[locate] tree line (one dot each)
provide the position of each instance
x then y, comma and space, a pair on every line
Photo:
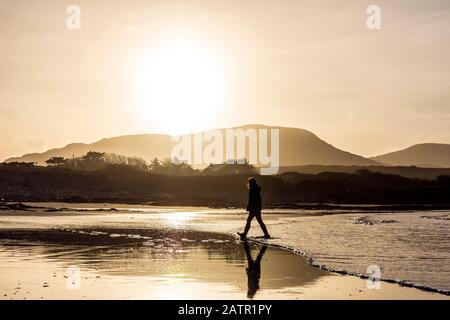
94, 160
97, 160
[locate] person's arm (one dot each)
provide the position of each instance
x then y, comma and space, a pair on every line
249, 201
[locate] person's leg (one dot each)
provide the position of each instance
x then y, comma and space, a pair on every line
262, 225
247, 226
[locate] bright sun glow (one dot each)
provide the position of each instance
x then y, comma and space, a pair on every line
180, 86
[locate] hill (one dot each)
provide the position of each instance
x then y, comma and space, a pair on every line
421, 155
297, 147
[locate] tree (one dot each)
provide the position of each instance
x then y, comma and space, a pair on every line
137, 163
56, 161
112, 158
94, 157
92, 161
178, 168
155, 166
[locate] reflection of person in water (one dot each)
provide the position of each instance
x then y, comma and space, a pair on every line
253, 269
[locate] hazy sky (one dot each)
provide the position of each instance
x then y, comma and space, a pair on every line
308, 64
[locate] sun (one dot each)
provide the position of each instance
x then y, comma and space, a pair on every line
180, 86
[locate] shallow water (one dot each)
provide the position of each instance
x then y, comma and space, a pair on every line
160, 264
409, 246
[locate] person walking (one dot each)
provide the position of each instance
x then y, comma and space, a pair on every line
254, 208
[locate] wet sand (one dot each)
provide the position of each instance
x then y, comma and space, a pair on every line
89, 255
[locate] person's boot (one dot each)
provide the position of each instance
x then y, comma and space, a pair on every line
242, 236
267, 236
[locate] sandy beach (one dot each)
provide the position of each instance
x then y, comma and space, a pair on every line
104, 251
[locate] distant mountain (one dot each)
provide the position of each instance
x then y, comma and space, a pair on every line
420, 155
297, 147
146, 146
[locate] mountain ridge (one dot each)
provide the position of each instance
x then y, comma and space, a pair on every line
297, 147
420, 155
293, 143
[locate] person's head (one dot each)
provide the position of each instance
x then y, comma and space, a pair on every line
252, 184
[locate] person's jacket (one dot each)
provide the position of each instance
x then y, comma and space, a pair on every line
254, 200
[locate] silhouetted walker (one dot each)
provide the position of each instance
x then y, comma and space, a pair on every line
254, 208
253, 270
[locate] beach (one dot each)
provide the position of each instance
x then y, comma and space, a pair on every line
112, 251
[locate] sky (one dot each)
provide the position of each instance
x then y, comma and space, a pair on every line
192, 65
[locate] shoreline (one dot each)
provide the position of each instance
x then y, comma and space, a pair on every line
23, 205
39, 211
310, 262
